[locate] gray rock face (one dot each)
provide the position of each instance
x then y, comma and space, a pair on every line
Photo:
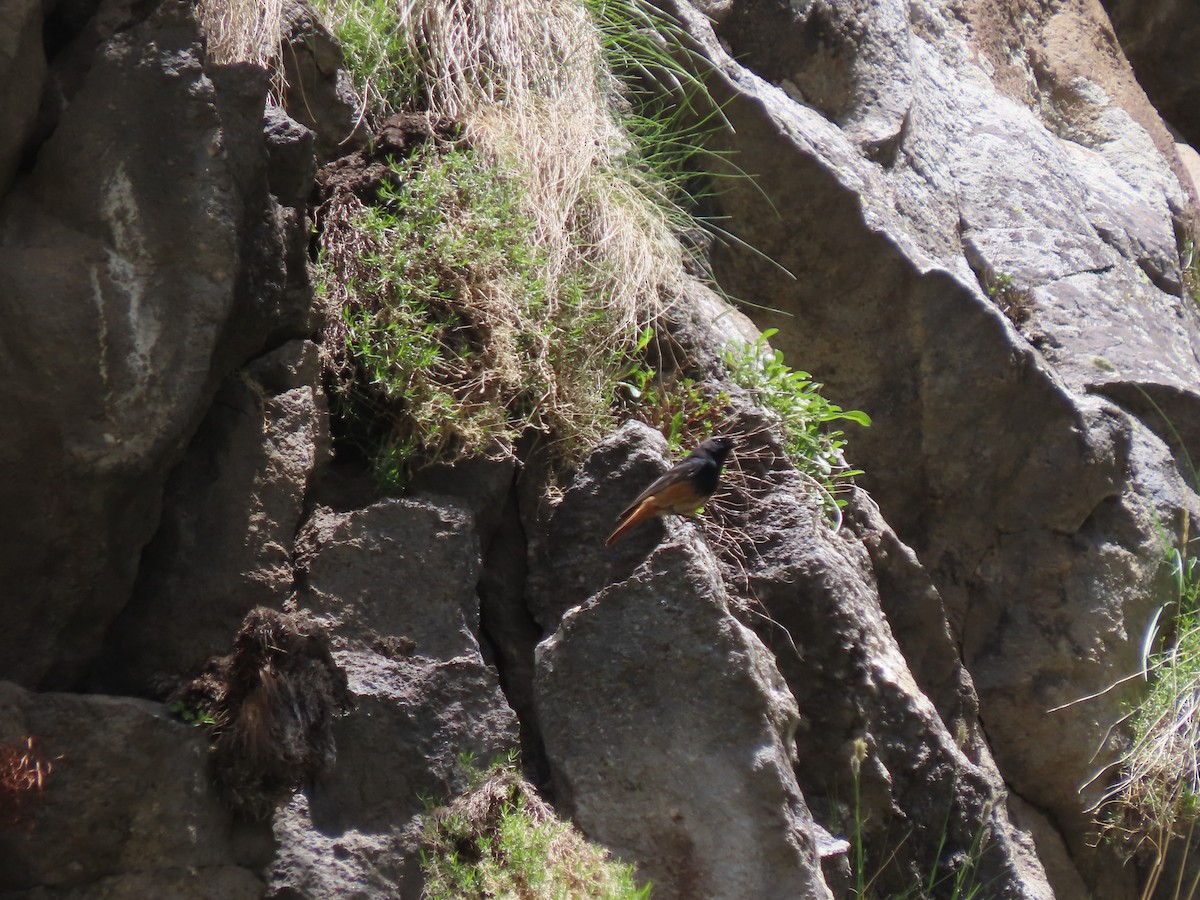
116, 317
666, 725
668, 730
231, 512
395, 585
22, 71
975, 290
126, 809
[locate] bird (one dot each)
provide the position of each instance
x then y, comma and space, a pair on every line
682, 490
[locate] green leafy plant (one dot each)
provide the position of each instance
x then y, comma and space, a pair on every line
508, 287
500, 840
800, 413
195, 717
453, 335
1015, 302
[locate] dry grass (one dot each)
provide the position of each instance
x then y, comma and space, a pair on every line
528, 85
1152, 809
242, 30
24, 769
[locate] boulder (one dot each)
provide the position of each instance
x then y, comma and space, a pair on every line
231, 511
125, 808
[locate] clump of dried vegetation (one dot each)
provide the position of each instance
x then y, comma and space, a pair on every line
24, 769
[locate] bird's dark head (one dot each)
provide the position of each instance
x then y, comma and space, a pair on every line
716, 447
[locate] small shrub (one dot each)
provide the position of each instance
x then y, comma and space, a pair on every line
453, 333
1015, 302
499, 840
799, 411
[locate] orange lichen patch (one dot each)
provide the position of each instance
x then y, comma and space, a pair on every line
24, 769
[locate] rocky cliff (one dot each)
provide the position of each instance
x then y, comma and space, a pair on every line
968, 219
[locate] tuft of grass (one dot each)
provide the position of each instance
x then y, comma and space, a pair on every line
800, 413
499, 839
242, 30
1154, 806
1015, 302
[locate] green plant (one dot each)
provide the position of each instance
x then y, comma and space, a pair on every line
453, 335
1016, 303
498, 839
447, 342
799, 411
195, 717
958, 882
1155, 803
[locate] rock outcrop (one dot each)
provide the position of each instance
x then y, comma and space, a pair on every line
1010, 226
970, 221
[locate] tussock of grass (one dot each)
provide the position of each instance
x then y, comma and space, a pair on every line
500, 840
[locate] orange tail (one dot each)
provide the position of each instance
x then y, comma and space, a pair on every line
648, 510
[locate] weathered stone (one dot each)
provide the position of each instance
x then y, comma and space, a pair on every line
1028, 498
398, 569
126, 809
668, 731
231, 511
667, 728
320, 93
125, 255
22, 71
395, 584
291, 148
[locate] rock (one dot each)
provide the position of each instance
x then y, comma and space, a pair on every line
666, 726
126, 808
399, 569
132, 221
231, 512
668, 731
1015, 259
395, 585
568, 562
320, 92
291, 148
1161, 39
22, 71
